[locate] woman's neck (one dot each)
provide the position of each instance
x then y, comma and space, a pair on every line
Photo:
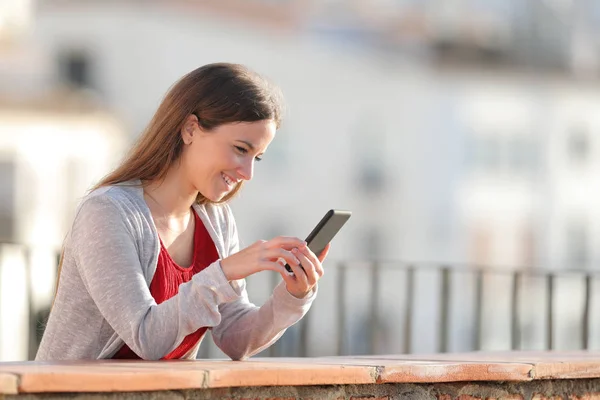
172, 195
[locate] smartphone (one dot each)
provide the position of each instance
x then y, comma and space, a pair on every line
325, 231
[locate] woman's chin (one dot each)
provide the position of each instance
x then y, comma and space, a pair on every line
216, 196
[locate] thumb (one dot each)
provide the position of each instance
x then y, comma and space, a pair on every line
324, 253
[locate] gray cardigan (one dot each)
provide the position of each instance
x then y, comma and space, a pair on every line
103, 298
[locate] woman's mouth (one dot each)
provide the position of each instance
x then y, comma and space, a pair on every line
228, 181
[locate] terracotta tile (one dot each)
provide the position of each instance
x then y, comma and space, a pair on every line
141, 375
431, 372
8, 384
286, 373
546, 364
566, 370
102, 378
398, 370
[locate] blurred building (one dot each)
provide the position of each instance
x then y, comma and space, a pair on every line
458, 133
55, 141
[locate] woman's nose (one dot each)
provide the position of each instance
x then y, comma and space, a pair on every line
246, 171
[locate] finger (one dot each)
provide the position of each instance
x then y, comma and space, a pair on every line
309, 268
259, 243
318, 267
324, 253
320, 270
276, 266
299, 274
286, 256
289, 277
286, 242
308, 253
273, 254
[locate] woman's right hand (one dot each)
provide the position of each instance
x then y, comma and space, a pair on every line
262, 255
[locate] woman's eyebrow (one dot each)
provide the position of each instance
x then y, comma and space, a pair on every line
250, 145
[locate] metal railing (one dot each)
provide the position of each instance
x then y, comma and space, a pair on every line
445, 293
446, 284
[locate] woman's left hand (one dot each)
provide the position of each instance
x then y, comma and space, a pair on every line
306, 276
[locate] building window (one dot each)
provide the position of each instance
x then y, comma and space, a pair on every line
485, 153
576, 245
522, 154
578, 145
75, 68
371, 178
516, 154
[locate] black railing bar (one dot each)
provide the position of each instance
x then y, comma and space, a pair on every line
374, 311
410, 285
549, 312
529, 271
515, 324
341, 310
478, 310
444, 310
585, 328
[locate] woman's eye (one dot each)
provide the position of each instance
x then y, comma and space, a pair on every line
243, 150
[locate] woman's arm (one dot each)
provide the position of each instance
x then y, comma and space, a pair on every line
107, 259
246, 329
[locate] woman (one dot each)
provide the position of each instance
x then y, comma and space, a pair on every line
152, 259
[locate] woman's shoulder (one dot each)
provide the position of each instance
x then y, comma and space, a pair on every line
110, 205
121, 193
125, 199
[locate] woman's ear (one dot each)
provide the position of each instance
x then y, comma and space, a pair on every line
189, 129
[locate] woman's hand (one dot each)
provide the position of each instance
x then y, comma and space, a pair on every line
262, 255
305, 277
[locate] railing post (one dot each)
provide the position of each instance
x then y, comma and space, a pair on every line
585, 329
341, 309
304, 325
410, 287
514, 306
33, 323
444, 310
478, 309
375, 270
550, 311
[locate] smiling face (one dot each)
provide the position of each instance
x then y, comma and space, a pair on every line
214, 162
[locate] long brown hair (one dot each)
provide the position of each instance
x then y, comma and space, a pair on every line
217, 94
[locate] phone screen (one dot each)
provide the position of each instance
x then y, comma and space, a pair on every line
325, 231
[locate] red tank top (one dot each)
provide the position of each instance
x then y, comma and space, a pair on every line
166, 281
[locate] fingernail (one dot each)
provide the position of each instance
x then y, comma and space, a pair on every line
295, 250
297, 261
